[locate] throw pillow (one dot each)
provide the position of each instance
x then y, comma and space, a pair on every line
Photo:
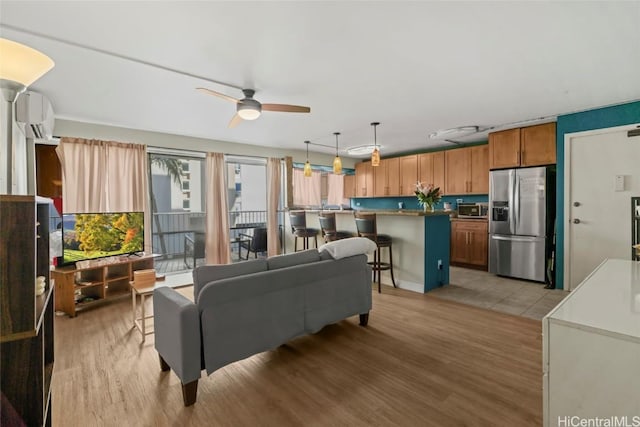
348, 247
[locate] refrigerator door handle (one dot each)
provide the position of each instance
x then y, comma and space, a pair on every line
516, 239
516, 202
512, 208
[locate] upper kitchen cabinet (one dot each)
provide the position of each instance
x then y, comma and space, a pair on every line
504, 149
479, 169
386, 178
408, 175
364, 179
538, 145
431, 169
349, 186
467, 170
528, 146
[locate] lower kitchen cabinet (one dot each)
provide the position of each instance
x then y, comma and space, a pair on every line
469, 243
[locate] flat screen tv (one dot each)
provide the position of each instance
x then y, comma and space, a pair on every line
99, 235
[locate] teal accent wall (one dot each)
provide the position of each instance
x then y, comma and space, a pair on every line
600, 118
437, 239
411, 202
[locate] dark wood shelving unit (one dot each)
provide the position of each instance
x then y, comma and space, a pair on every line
26, 331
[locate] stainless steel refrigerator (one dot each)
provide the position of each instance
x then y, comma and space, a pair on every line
521, 215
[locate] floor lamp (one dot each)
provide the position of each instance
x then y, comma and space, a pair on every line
20, 66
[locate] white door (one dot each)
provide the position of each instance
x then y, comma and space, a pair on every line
602, 172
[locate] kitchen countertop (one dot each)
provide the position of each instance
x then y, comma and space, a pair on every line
397, 212
607, 300
469, 219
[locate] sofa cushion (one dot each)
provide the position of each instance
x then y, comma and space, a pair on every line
348, 247
296, 258
208, 273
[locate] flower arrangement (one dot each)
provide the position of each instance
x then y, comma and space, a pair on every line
428, 195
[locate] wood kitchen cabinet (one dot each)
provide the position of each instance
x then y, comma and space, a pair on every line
528, 146
408, 175
538, 145
349, 186
386, 178
431, 169
467, 170
469, 243
364, 179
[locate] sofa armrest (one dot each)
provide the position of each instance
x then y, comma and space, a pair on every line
177, 333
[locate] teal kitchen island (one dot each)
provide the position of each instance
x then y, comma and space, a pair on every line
421, 244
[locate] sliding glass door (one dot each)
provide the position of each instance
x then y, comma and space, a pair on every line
176, 189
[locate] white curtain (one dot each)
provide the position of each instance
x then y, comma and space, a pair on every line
335, 192
306, 190
217, 247
84, 175
273, 197
105, 176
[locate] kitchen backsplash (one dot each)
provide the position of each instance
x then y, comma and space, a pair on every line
411, 202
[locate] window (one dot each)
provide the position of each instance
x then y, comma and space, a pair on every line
176, 187
247, 184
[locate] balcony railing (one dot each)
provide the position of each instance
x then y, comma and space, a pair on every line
172, 229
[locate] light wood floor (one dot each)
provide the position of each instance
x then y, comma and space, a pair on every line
421, 361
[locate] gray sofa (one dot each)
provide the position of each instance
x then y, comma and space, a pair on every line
246, 308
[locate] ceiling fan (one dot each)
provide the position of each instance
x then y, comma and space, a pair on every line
248, 108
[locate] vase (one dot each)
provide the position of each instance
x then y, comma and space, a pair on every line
427, 208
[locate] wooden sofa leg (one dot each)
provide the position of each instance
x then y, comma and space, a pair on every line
189, 392
364, 319
163, 365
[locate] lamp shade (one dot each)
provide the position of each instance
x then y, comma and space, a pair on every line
337, 165
375, 157
307, 169
22, 64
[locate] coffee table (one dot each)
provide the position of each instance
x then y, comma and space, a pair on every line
175, 281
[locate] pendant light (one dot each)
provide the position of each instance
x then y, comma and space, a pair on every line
375, 154
307, 165
337, 163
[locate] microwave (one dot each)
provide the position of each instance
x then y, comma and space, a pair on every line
473, 210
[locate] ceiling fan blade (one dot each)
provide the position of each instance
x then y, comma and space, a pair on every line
218, 94
284, 108
235, 120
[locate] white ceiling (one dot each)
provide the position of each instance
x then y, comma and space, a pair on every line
414, 66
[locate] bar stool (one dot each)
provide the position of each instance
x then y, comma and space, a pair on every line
367, 227
328, 227
299, 228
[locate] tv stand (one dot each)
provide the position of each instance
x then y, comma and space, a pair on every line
78, 288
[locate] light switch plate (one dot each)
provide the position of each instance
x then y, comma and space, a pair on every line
619, 183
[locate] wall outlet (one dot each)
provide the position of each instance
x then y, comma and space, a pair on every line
357, 203
458, 201
439, 264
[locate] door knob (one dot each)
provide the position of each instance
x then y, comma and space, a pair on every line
576, 204
576, 221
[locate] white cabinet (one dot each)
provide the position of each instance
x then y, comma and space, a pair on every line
591, 348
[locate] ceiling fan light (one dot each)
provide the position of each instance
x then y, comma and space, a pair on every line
307, 169
337, 165
375, 157
248, 112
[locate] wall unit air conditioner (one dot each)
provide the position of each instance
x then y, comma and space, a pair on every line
34, 112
